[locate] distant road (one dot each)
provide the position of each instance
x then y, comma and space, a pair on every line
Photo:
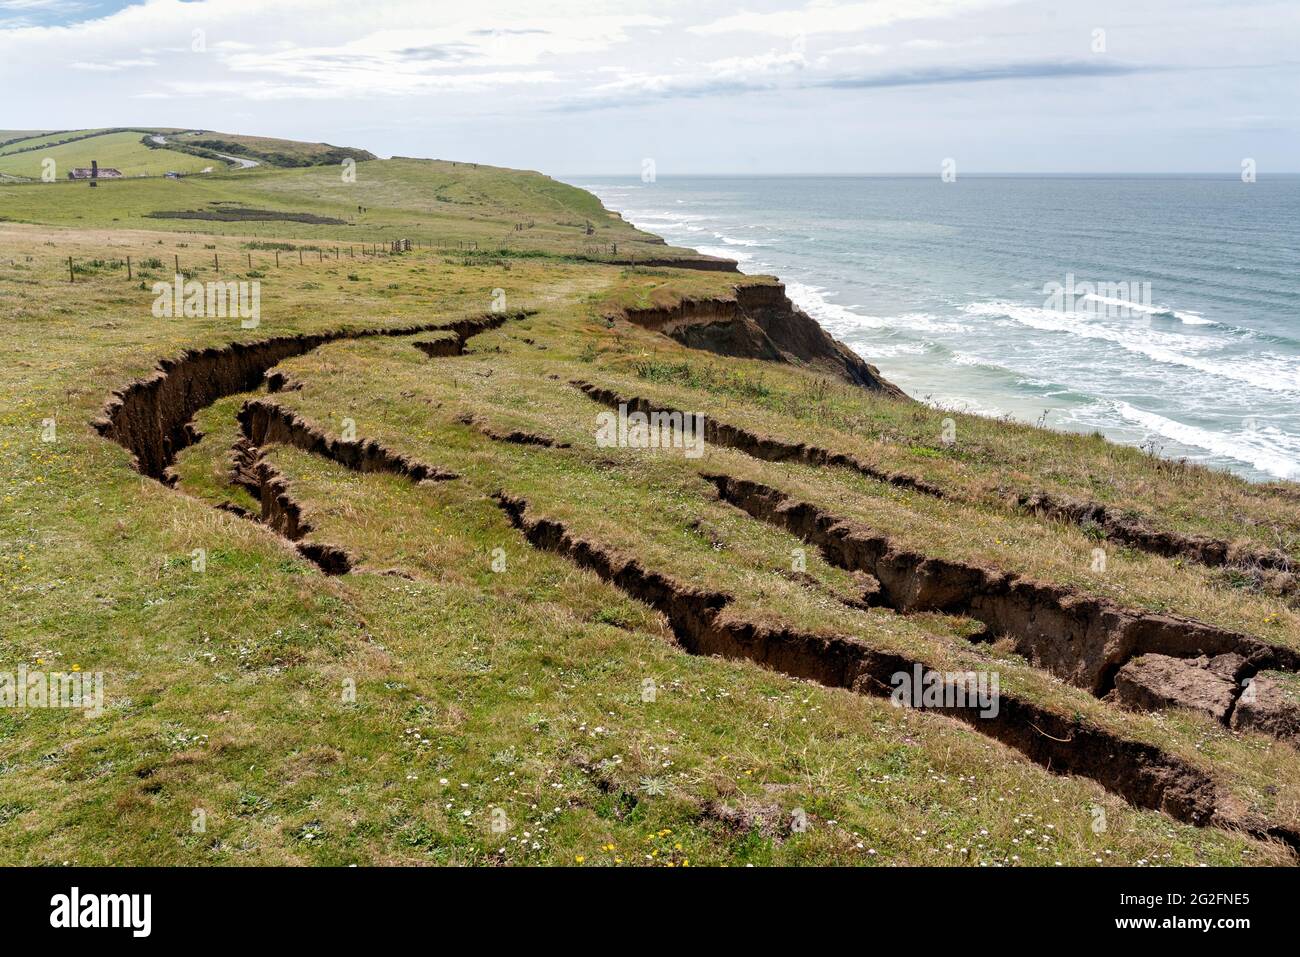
237, 160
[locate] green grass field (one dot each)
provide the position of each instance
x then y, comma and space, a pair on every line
429, 201
23, 139
24, 151
122, 151
464, 695
272, 151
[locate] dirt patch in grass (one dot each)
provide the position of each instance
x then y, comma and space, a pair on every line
245, 214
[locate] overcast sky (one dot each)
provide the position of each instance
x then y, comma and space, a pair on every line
753, 86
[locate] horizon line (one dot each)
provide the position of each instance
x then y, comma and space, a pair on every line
932, 174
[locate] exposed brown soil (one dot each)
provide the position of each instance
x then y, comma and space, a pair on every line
244, 214
748, 816
466, 328
1155, 682
448, 344
1136, 533
151, 416
1143, 774
280, 512
1088, 639
278, 381
1271, 567
704, 263
263, 422
1080, 638
1265, 705
452, 339
761, 323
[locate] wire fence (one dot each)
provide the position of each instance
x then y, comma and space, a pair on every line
304, 255
281, 254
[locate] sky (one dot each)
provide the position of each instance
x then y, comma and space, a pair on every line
747, 87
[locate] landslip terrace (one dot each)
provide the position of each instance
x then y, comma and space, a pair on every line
366, 587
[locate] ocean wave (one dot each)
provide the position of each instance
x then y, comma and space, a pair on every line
726, 252
1267, 371
963, 359
1266, 448
732, 241
890, 350
976, 339
815, 300
967, 406
1188, 317
666, 225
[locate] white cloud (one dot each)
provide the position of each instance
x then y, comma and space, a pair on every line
749, 66
930, 44
870, 49
711, 78
346, 50
408, 86
112, 66
828, 17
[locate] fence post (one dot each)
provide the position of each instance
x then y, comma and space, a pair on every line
299, 255
128, 267
178, 264
277, 259
72, 277
216, 263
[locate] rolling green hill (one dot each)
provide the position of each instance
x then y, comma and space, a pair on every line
423, 200
149, 151
11, 137
269, 150
121, 150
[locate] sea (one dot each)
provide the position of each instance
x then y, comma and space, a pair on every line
1161, 311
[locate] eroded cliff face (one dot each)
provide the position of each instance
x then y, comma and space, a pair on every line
761, 322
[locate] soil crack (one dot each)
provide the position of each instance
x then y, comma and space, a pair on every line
151, 416
1122, 529
1082, 639
704, 624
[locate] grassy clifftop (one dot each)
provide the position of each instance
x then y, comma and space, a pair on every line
375, 201
153, 151
266, 149
387, 598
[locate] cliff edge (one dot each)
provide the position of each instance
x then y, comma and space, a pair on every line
761, 322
